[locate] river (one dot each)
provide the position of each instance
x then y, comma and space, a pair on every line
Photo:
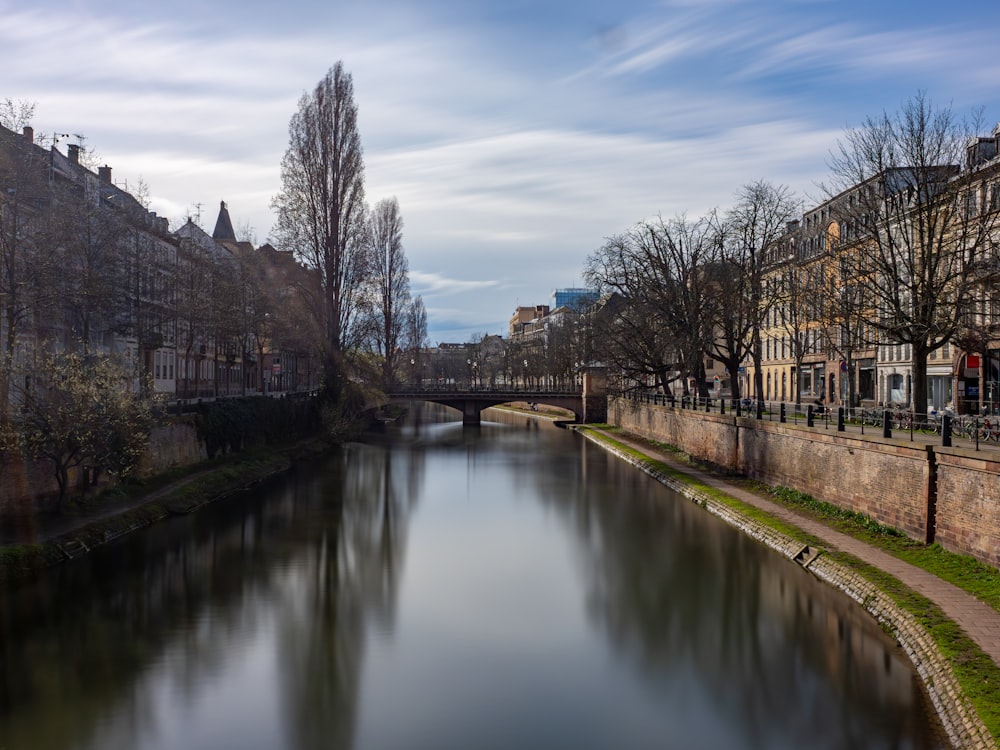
507, 586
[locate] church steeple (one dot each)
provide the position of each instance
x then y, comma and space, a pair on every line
224, 225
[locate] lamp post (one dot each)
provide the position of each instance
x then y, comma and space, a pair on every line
413, 376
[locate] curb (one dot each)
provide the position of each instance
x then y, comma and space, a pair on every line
961, 723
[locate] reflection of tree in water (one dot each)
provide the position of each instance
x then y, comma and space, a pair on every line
351, 574
87, 651
684, 594
74, 646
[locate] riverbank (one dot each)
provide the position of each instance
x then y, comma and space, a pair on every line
34, 541
921, 611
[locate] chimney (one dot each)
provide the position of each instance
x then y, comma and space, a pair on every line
29, 134
73, 152
104, 173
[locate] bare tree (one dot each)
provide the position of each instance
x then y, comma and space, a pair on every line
754, 230
656, 323
921, 229
27, 235
416, 324
89, 236
16, 115
416, 336
194, 295
321, 211
390, 283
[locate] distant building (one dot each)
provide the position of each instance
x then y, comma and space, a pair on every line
524, 316
577, 299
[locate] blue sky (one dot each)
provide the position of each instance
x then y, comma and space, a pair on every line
515, 135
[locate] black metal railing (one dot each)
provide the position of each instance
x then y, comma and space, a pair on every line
942, 426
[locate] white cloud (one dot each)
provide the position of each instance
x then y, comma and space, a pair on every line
439, 285
512, 158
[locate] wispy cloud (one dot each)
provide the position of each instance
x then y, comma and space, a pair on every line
439, 285
514, 149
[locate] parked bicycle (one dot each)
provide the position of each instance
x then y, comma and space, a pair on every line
989, 431
902, 419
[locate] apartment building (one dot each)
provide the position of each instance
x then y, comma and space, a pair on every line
840, 328
86, 267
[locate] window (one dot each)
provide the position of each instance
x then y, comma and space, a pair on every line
896, 393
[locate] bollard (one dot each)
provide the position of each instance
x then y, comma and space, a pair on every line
809, 416
781, 413
738, 406
722, 406
840, 419
760, 409
887, 424
946, 431
708, 404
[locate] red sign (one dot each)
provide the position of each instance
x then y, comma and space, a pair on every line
972, 362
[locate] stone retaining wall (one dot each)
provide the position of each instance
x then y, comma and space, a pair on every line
23, 483
931, 493
968, 503
887, 480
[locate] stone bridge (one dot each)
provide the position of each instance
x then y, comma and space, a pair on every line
589, 403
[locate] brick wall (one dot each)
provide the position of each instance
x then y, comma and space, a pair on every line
968, 503
172, 445
709, 437
888, 481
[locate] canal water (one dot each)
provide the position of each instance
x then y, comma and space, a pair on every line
438, 587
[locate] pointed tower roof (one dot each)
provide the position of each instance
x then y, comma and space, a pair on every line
223, 225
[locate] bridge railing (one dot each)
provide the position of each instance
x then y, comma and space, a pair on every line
481, 388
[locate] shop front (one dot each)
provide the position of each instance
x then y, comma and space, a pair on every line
812, 381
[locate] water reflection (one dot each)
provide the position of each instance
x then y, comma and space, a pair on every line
507, 586
679, 593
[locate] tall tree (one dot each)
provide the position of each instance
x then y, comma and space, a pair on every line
416, 337
922, 230
754, 230
26, 239
390, 283
89, 234
656, 322
321, 211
